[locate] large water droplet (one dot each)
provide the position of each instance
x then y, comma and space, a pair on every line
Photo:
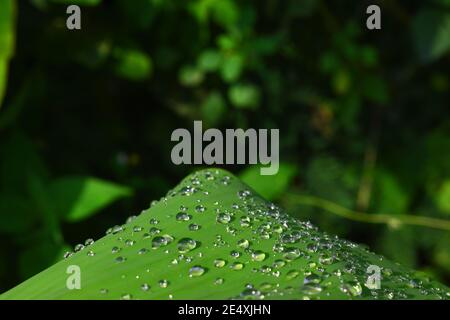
186, 245
219, 263
258, 256
223, 218
237, 266
183, 216
196, 271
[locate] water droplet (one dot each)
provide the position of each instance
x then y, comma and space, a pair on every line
79, 247
244, 222
352, 288
291, 254
161, 241
243, 243
145, 287
326, 259
258, 256
279, 263
142, 251
126, 296
120, 259
292, 274
237, 266
183, 216
115, 249
154, 230
194, 227
312, 278
163, 283
223, 218
235, 254
200, 208
219, 263
311, 288
196, 271
186, 245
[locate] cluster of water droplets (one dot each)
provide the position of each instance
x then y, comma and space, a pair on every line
287, 257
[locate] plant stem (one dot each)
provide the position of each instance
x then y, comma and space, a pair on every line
391, 220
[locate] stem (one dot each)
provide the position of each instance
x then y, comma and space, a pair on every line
391, 220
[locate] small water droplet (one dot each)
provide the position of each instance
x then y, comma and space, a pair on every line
194, 227
126, 296
120, 259
200, 208
115, 249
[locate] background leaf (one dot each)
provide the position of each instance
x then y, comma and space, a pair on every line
270, 187
431, 30
7, 17
77, 198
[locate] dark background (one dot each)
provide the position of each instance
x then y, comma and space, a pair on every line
363, 116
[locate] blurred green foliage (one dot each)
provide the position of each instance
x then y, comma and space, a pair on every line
86, 119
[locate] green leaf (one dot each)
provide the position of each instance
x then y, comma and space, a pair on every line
225, 12
231, 67
270, 187
213, 108
19, 158
15, 214
210, 237
7, 17
389, 195
131, 64
443, 197
190, 76
78, 198
244, 96
209, 60
431, 32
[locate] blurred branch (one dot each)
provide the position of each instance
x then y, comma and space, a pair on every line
391, 220
370, 159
